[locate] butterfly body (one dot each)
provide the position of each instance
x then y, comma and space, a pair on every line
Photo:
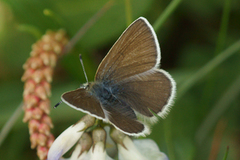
104, 92
128, 86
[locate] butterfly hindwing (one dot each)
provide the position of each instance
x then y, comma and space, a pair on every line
153, 91
124, 119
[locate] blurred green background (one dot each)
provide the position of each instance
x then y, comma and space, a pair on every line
205, 118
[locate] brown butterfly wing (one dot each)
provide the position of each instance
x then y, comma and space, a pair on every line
154, 90
80, 99
136, 51
124, 119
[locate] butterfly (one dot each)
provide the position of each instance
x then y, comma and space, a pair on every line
129, 89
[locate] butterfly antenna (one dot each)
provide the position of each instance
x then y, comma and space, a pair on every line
58, 104
80, 58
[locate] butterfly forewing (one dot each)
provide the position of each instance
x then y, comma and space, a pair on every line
81, 100
135, 52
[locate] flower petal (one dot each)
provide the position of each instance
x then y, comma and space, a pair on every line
149, 149
131, 152
141, 149
111, 146
66, 140
76, 153
98, 152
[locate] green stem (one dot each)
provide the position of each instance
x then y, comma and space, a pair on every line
31, 30
9, 124
87, 26
223, 27
128, 12
226, 153
207, 68
218, 110
209, 87
162, 18
168, 137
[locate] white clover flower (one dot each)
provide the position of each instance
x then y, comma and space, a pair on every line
147, 148
91, 144
68, 138
65, 141
140, 149
97, 151
76, 153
